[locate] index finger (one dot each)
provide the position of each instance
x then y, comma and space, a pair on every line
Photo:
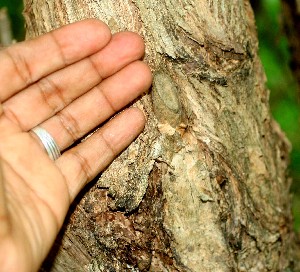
26, 62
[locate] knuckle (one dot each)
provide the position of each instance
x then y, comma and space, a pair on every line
20, 65
84, 167
51, 94
95, 68
60, 49
69, 124
111, 148
107, 99
12, 116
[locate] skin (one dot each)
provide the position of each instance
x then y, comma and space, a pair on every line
68, 81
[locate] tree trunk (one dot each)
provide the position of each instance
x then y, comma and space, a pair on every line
205, 187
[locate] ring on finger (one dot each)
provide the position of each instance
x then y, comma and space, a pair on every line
48, 142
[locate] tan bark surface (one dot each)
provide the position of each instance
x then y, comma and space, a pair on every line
204, 188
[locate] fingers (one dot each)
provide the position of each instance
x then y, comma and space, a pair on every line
93, 108
57, 90
82, 163
29, 61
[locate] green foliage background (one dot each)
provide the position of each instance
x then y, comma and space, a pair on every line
275, 56
15, 8
284, 95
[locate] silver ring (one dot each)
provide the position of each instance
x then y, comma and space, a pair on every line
48, 142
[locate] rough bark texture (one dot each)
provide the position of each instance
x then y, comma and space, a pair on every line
291, 18
204, 188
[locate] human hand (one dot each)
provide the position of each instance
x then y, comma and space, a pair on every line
68, 82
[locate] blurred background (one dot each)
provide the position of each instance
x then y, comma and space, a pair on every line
284, 90
14, 8
276, 58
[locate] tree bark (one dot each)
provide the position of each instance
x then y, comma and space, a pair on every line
205, 187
